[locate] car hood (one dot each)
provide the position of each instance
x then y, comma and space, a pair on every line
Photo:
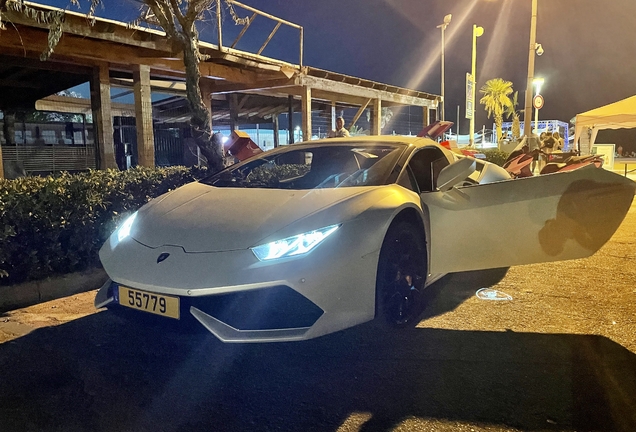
202, 218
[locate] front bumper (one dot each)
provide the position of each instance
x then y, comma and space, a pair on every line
262, 315
241, 299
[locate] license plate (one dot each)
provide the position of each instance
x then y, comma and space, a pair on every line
158, 304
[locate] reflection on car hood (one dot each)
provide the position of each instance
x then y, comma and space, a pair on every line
203, 218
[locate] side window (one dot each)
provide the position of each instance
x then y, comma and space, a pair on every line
407, 180
426, 165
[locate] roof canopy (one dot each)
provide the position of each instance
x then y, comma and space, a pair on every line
618, 115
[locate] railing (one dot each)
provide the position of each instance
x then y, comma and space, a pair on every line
50, 158
249, 21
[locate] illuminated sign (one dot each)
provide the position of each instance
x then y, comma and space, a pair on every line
470, 101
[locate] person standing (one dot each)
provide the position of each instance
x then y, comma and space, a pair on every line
559, 141
340, 129
548, 144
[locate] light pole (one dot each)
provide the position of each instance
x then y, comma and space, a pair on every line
477, 32
447, 20
527, 116
538, 82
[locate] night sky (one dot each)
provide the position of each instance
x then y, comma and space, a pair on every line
589, 59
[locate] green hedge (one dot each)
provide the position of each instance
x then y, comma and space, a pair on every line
56, 224
497, 157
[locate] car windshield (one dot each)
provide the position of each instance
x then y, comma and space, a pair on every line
309, 166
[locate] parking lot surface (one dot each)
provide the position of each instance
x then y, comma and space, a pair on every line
559, 353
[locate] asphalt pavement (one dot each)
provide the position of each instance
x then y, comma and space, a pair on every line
558, 354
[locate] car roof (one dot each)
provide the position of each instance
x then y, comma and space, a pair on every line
377, 139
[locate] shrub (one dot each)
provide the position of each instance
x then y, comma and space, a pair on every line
495, 156
56, 224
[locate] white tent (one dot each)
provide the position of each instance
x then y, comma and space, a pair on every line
618, 115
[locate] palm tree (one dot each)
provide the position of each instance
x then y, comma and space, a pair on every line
496, 99
511, 112
386, 114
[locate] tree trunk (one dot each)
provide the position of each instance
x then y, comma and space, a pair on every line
8, 127
200, 121
516, 128
499, 123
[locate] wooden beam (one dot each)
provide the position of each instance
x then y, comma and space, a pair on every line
341, 99
376, 117
359, 113
260, 85
228, 73
96, 51
342, 88
106, 30
100, 101
306, 107
242, 102
178, 89
143, 116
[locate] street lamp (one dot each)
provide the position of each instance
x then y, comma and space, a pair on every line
537, 82
447, 20
477, 32
533, 48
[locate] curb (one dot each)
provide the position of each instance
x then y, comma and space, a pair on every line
33, 292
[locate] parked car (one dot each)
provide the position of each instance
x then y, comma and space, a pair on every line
316, 237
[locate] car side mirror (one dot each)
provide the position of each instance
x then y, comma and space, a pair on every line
455, 173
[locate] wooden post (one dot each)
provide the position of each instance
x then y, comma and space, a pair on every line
376, 117
143, 114
425, 117
276, 129
234, 111
306, 105
290, 119
102, 119
333, 116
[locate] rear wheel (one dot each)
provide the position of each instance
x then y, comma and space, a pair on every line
402, 271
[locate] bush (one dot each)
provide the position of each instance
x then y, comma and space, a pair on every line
56, 224
497, 157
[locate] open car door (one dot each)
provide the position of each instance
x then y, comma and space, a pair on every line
524, 221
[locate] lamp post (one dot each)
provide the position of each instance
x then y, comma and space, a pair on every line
447, 20
477, 32
527, 127
538, 82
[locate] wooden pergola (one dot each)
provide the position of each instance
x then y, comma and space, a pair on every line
234, 83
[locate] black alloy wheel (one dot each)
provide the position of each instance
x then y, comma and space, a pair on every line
402, 271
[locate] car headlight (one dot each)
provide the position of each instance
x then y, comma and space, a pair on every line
124, 229
292, 246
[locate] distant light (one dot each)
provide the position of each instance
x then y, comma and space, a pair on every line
297, 128
224, 139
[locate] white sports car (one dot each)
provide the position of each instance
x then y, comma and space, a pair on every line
316, 237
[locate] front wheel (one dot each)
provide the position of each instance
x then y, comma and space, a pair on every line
402, 271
